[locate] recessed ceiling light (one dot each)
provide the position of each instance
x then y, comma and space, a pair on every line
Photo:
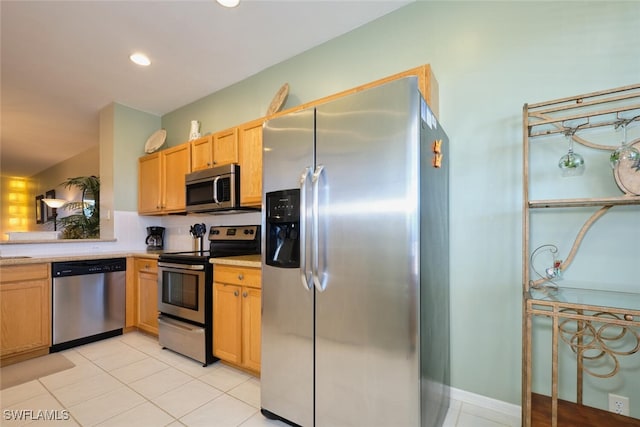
140, 59
229, 3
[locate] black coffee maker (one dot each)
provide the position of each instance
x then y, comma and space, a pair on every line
155, 238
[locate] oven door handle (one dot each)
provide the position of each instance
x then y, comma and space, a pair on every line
181, 266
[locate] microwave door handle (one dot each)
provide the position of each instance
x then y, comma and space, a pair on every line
215, 189
306, 278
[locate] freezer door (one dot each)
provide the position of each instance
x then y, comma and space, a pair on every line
367, 275
287, 306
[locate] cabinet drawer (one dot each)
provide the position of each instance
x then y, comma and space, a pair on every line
148, 265
243, 276
15, 273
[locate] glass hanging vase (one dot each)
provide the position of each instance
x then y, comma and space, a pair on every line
571, 164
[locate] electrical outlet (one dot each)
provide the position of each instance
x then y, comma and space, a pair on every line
619, 404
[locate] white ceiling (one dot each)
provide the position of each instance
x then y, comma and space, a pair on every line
63, 61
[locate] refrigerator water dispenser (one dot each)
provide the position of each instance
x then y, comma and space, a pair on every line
282, 234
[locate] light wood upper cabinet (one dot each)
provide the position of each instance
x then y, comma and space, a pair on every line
225, 147
161, 180
250, 160
218, 149
237, 315
201, 153
177, 164
25, 314
146, 294
149, 183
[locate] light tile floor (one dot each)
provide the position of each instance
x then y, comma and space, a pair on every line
130, 381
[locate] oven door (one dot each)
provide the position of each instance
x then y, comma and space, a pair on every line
181, 291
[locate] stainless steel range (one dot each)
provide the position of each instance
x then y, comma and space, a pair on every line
185, 290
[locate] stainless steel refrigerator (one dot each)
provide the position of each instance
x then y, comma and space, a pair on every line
355, 291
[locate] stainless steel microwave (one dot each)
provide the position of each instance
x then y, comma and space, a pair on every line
213, 189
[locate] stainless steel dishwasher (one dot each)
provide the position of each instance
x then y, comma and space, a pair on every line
88, 301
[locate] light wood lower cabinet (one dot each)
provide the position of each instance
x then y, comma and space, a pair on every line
145, 288
25, 311
251, 328
236, 315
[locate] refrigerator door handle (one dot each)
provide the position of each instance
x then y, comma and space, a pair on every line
319, 282
305, 275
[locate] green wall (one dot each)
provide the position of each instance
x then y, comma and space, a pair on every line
489, 58
132, 128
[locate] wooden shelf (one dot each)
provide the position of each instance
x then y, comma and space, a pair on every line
573, 415
577, 203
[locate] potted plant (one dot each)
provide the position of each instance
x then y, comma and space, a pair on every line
84, 223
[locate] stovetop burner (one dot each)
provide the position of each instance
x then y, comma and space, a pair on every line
189, 256
223, 241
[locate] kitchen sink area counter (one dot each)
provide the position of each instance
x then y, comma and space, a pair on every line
26, 285
37, 259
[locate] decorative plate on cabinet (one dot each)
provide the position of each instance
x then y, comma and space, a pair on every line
278, 99
155, 141
628, 176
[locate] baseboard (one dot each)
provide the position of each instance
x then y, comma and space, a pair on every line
486, 402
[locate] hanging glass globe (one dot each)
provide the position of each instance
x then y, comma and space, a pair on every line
624, 154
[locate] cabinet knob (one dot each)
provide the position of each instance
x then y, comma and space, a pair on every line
244, 294
236, 293
240, 276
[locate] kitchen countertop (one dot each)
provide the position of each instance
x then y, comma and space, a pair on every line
37, 259
239, 260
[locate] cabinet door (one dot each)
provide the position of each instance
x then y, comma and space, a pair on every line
225, 147
177, 163
201, 153
251, 328
227, 322
146, 272
149, 183
25, 314
250, 159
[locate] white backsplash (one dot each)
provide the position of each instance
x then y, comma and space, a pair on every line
130, 231
177, 237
